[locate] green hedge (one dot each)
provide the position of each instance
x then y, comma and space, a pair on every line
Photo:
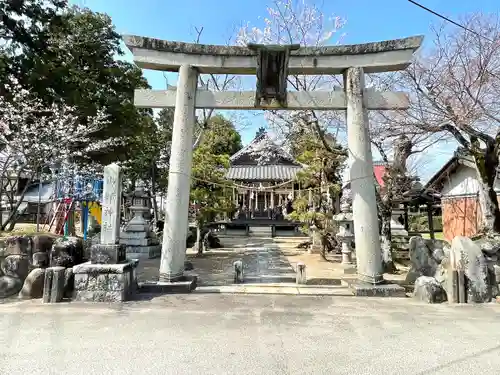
419, 223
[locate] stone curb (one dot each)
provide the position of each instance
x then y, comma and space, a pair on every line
281, 289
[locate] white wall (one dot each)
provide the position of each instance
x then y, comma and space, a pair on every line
462, 182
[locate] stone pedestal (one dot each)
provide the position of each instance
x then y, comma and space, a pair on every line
108, 277
173, 250
139, 241
105, 282
364, 204
107, 254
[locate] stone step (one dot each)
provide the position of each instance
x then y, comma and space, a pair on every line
259, 279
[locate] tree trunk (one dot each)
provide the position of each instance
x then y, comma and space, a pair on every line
386, 236
199, 238
4, 179
10, 222
486, 167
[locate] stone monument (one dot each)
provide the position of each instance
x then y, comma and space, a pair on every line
139, 240
108, 276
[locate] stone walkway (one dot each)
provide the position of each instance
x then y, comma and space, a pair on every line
215, 267
265, 260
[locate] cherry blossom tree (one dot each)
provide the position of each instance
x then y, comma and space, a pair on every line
455, 93
34, 136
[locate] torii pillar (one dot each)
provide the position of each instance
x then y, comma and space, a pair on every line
173, 250
364, 204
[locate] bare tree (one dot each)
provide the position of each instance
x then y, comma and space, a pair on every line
212, 82
455, 92
300, 22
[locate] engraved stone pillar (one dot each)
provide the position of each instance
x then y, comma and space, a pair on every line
109, 251
364, 206
181, 156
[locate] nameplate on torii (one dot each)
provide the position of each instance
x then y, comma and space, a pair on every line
296, 100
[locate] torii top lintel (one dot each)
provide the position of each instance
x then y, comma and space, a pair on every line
163, 55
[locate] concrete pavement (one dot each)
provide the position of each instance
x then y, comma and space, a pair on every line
250, 334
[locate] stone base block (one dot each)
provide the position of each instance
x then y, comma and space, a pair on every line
143, 252
348, 269
137, 227
135, 235
107, 254
323, 281
105, 282
186, 285
139, 241
360, 289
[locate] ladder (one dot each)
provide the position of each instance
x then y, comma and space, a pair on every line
60, 215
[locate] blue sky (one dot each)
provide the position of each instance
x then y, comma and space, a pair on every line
367, 20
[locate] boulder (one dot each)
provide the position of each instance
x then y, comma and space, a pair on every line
18, 245
16, 266
42, 243
422, 260
496, 268
489, 245
88, 243
429, 290
9, 286
467, 256
33, 285
41, 259
67, 252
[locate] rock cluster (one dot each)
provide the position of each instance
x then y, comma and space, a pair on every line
434, 262
24, 259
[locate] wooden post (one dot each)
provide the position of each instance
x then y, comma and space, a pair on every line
429, 218
407, 224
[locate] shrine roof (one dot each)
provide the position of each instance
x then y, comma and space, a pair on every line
263, 172
263, 160
262, 150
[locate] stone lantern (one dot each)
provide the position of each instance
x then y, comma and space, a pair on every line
137, 236
345, 235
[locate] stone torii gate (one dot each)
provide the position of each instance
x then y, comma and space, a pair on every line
272, 65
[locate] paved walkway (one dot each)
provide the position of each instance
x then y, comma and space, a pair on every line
215, 267
261, 335
265, 260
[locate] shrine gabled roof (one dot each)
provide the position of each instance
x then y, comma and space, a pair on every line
263, 151
459, 158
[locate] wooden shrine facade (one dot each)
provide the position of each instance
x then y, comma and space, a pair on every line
265, 177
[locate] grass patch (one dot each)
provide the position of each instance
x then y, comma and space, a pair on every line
437, 236
24, 229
